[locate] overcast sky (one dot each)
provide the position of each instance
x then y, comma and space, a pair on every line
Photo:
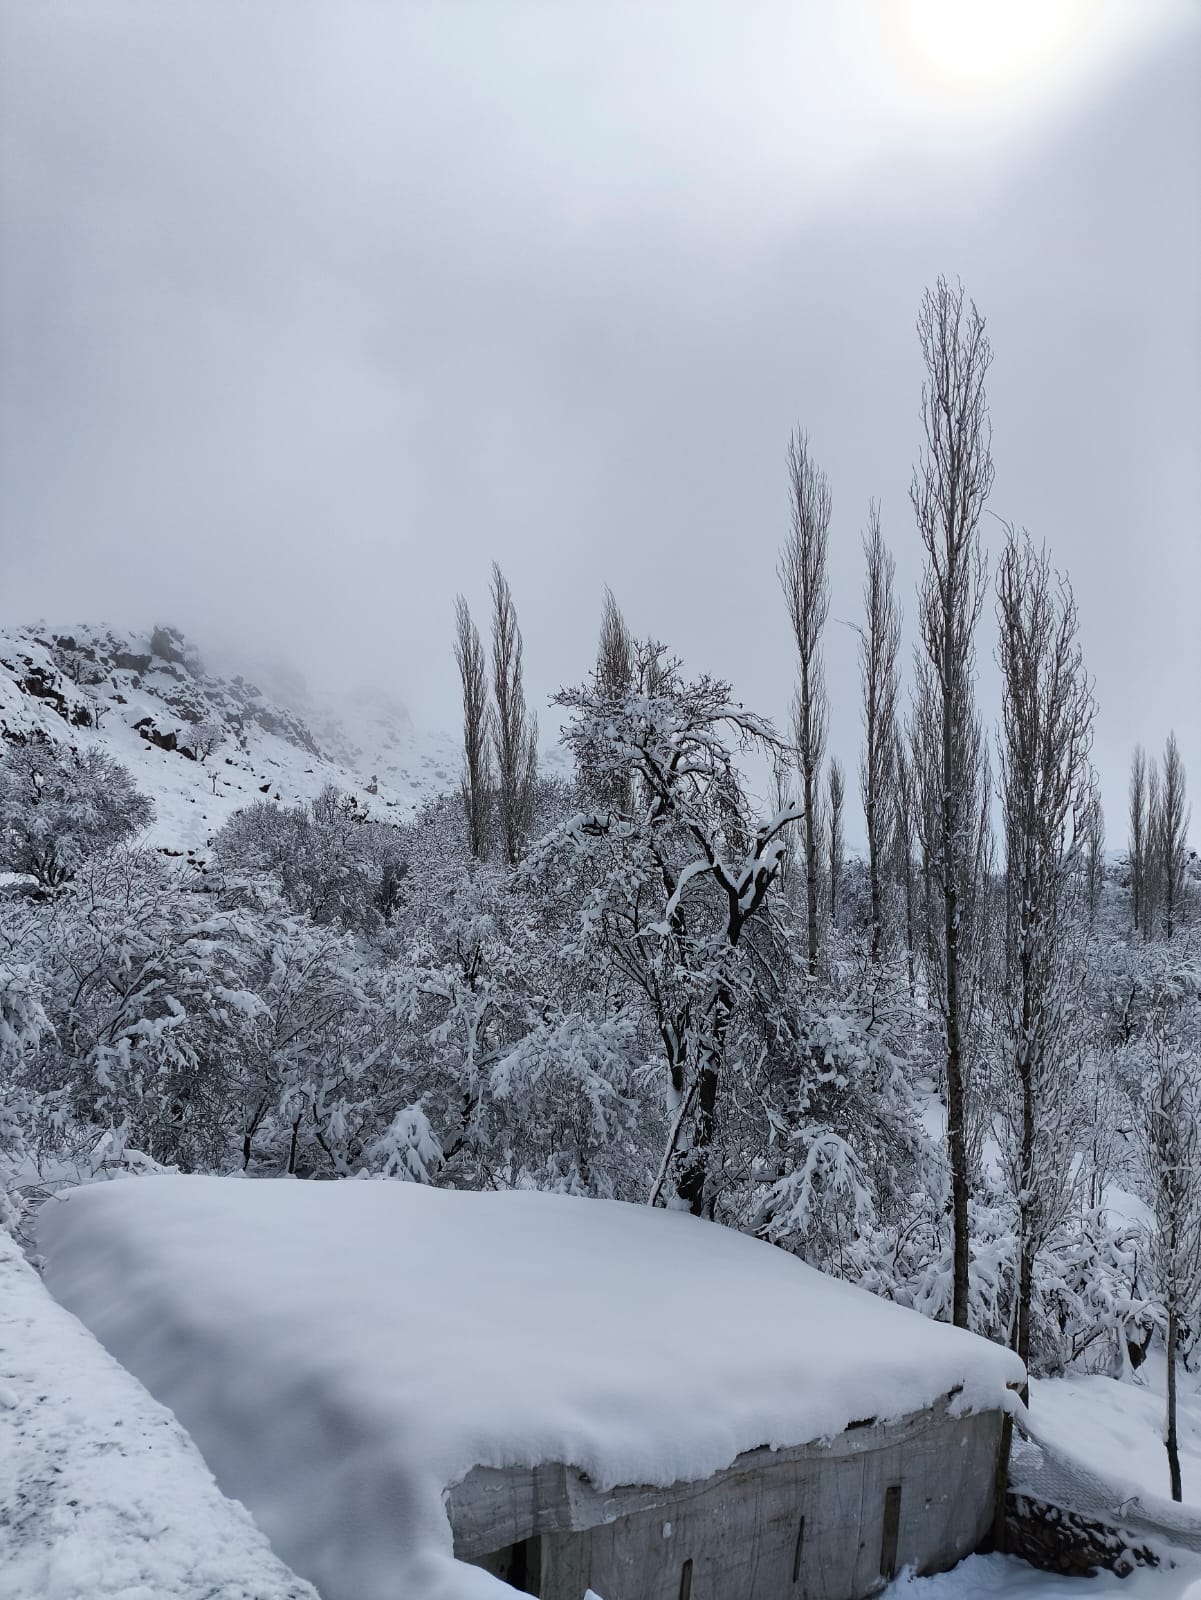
308, 313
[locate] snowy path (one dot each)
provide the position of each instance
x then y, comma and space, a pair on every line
102, 1494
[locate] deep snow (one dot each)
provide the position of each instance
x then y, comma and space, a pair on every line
1117, 1429
343, 1352
102, 1494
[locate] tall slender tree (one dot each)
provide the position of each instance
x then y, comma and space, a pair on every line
1173, 834
1094, 851
950, 486
514, 730
834, 861
477, 729
1171, 1140
1139, 829
1153, 853
1046, 793
879, 651
615, 667
804, 579
902, 851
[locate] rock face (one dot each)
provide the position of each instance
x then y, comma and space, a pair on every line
170, 645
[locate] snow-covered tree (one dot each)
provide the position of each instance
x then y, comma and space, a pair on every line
671, 886
59, 806
514, 729
879, 651
476, 783
1171, 1136
1173, 834
950, 486
1046, 792
804, 578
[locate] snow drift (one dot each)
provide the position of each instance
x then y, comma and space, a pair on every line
101, 1492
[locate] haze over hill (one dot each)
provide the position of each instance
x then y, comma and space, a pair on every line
202, 743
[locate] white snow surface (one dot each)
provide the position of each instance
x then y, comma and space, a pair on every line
1117, 1430
1006, 1578
102, 1494
343, 1352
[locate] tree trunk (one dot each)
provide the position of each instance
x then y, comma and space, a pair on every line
956, 1107
811, 846
873, 867
1173, 1442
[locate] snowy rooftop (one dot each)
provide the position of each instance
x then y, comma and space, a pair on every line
342, 1352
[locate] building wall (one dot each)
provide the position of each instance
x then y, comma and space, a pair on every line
820, 1522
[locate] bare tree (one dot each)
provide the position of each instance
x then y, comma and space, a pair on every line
1174, 816
1046, 795
879, 650
835, 855
1094, 851
477, 721
615, 650
206, 738
805, 582
1171, 1140
783, 800
1153, 853
1138, 832
514, 731
615, 668
949, 489
903, 833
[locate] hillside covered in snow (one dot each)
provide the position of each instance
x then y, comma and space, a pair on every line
201, 744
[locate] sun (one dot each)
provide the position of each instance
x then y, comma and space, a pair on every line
966, 49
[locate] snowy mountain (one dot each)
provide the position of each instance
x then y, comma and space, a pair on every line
201, 745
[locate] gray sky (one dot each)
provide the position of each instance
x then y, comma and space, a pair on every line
308, 312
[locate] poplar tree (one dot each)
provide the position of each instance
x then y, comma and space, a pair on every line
805, 581
879, 650
950, 486
514, 730
476, 784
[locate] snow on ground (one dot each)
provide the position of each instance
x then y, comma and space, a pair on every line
1005, 1578
1117, 1429
342, 1352
102, 1494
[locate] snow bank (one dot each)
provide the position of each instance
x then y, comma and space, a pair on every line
102, 1495
342, 1352
1116, 1430
1006, 1578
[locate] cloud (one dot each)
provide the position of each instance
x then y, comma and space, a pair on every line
307, 313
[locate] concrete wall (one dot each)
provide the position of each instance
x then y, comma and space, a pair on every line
819, 1522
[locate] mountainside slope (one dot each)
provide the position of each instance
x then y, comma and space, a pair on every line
201, 745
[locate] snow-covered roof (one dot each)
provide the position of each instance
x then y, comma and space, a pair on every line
342, 1352
102, 1494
